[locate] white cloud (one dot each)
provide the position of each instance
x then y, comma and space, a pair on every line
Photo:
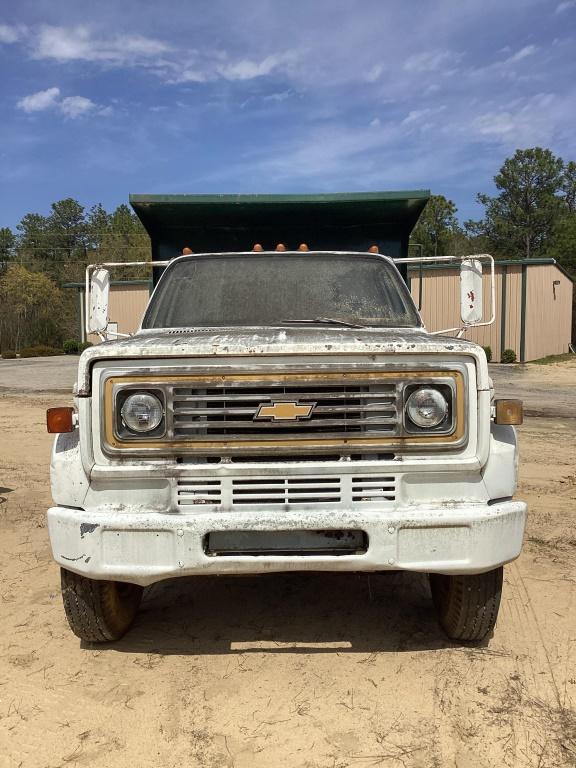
431, 61
214, 66
66, 44
39, 101
74, 106
70, 106
78, 43
415, 115
528, 50
565, 6
505, 68
279, 96
418, 115
526, 121
374, 74
10, 34
190, 76
248, 70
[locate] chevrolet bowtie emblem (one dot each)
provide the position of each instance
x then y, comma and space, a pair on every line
285, 411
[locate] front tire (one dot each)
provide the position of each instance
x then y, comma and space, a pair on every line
467, 605
98, 611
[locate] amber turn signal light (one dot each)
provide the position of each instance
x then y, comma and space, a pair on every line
509, 412
59, 420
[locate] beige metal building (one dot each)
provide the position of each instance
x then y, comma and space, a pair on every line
533, 306
534, 299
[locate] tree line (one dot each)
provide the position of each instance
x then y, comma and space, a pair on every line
47, 252
532, 214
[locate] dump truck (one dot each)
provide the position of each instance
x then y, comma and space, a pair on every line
283, 408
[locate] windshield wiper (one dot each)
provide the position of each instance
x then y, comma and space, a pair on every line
325, 321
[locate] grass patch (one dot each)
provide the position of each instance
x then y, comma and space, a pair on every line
553, 359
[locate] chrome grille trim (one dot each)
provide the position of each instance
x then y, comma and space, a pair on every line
341, 409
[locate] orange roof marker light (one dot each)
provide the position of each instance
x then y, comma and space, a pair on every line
373, 249
187, 251
280, 247
303, 247
257, 247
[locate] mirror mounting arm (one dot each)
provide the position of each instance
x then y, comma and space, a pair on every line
461, 329
96, 295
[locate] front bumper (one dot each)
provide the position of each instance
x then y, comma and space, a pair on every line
146, 547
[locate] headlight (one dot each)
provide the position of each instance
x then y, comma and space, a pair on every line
426, 408
142, 412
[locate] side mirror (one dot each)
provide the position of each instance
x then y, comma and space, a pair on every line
471, 291
98, 301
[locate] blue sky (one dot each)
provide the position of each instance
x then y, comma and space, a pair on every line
99, 99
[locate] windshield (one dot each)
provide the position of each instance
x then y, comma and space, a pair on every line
279, 289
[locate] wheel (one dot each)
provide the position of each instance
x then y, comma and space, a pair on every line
98, 611
467, 606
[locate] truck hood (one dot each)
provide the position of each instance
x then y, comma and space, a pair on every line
244, 342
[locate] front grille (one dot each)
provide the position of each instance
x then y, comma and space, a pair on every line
339, 410
321, 412
342, 490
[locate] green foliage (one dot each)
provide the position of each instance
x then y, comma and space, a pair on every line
40, 350
569, 187
75, 347
31, 308
563, 242
437, 227
520, 220
71, 346
57, 248
9, 354
7, 247
534, 213
551, 359
508, 356
61, 244
488, 353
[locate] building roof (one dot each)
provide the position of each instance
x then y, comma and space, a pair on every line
500, 263
344, 221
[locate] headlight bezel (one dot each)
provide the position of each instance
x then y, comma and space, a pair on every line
122, 430
447, 425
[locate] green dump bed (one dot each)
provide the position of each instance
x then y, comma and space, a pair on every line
339, 222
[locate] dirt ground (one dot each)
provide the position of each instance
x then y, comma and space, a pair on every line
315, 671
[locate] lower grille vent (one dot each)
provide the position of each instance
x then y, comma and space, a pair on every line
229, 492
373, 488
296, 490
199, 491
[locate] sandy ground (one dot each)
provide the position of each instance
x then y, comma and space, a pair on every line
318, 671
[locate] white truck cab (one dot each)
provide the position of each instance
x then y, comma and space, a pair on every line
277, 411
